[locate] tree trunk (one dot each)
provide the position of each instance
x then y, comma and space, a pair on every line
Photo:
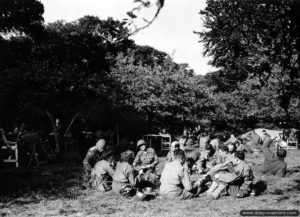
287, 117
57, 148
150, 117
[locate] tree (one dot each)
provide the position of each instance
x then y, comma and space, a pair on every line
61, 74
168, 91
252, 105
21, 17
252, 38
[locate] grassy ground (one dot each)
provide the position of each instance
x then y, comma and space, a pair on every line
55, 191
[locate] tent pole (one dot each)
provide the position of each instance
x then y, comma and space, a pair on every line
118, 139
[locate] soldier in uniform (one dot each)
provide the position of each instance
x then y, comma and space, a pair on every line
123, 178
103, 172
207, 159
273, 164
174, 146
93, 155
175, 180
145, 162
238, 180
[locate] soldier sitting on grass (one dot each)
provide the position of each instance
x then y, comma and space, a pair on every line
145, 162
103, 172
123, 178
175, 180
207, 159
237, 181
93, 155
174, 146
274, 164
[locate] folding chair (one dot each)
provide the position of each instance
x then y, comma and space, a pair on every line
292, 144
16, 154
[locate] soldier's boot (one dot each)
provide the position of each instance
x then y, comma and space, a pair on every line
212, 188
217, 192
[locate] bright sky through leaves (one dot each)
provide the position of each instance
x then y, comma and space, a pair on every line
172, 32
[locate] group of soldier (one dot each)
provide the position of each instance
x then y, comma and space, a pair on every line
220, 169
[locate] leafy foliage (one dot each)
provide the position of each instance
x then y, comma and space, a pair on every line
164, 90
61, 73
21, 16
252, 38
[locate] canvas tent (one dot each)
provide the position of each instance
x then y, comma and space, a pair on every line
274, 134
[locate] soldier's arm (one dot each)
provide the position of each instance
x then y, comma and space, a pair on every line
196, 155
266, 151
201, 162
248, 180
185, 179
282, 171
218, 168
169, 156
155, 162
88, 158
136, 159
129, 172
110, 170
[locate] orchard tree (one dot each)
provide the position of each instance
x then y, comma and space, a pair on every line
252, 38
253, 105
66, 71
21, 17
167, 90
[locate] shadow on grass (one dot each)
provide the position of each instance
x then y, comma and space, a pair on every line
277, 192
24, 185
293, 170
297, 202
296, 187
279, 200
260, 187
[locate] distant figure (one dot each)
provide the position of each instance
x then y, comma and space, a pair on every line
175, 181
203, 140
265, 134
215, 142
93, 155
174, 146
4, 139
123, 179
255, 141
163, 132
207, 159
102, 173
222, 154
232, 139
240, 146
273, 165
182, 142
238, 180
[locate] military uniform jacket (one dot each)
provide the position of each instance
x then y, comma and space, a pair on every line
146, 158
242, 175
273, 165
92, 157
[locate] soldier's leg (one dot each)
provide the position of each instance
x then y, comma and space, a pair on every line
220, 188
86, 176
213, 187
185, 195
